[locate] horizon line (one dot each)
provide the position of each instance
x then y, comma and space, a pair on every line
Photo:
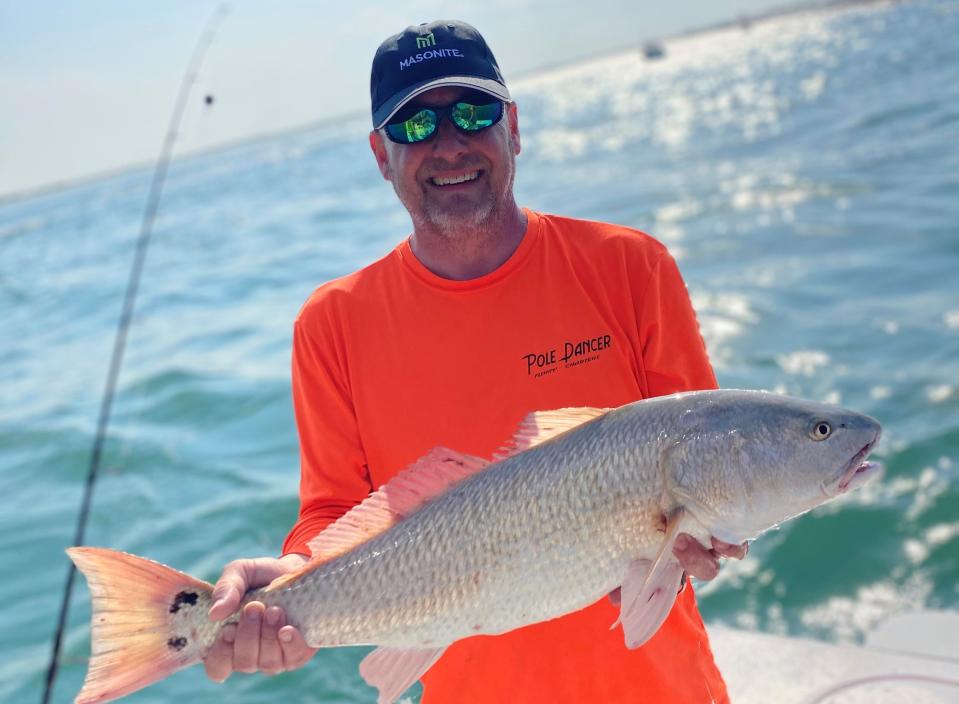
65, 184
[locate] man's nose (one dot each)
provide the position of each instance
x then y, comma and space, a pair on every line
449, 142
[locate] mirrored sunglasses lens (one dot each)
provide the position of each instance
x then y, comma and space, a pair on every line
414, 129
477, 117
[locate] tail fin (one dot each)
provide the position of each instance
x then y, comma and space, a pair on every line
148, 622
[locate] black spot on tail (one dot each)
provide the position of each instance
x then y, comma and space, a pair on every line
178, 643
183, 599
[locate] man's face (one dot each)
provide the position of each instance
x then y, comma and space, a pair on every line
428, 176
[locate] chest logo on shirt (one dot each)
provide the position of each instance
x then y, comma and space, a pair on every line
569, 353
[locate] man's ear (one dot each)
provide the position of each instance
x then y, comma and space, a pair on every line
512, 116
379, 153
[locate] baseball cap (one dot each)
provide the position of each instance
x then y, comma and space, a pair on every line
429, 55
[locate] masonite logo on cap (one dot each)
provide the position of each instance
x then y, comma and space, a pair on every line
455, 55
423, 42
427, 55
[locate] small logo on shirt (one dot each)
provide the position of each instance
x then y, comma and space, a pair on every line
571, 353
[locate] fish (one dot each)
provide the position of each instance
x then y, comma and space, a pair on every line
579, 503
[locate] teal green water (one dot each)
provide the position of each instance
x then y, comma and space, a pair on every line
804, 172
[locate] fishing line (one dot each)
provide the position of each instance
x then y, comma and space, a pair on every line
123, 326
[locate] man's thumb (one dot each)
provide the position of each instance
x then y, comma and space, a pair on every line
226, 597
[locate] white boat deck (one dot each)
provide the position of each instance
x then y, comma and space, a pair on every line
912, 659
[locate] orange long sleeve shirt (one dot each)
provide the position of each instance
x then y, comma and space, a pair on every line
392, 360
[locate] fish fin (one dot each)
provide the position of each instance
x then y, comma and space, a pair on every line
650, 587
540, 426
394, 670
647, 598
404, 494
674, 523
135, 639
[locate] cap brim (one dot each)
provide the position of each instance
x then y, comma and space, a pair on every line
398, 100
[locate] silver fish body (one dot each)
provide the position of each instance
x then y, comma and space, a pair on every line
553, 529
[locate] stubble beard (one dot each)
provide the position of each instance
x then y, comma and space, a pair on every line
450, 219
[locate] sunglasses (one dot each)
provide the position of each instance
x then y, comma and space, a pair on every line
470, 114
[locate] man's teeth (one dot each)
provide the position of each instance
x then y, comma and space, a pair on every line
455, 179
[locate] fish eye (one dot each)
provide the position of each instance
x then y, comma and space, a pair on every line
821, 430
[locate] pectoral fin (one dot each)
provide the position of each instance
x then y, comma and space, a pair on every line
649, 588
647, 599
394, 670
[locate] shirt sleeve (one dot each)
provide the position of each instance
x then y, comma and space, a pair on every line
333, 469
673, 350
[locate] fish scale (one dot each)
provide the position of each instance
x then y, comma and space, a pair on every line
538, 523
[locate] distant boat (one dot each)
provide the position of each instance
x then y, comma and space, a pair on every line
653, 50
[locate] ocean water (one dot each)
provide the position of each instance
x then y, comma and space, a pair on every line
804, 171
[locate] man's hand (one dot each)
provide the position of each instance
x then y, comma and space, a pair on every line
696, 560
701, 563
262, 641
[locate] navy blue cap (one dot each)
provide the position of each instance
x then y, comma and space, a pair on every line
433, 54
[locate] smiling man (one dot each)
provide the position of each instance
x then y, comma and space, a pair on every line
486, 312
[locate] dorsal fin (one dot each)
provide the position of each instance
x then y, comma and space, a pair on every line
428, 477
540, 426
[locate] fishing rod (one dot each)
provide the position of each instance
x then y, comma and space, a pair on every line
123, 326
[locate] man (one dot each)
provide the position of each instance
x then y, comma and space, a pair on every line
485, 313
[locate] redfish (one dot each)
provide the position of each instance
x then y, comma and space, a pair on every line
580, 502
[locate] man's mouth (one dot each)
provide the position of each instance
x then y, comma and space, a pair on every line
454, 180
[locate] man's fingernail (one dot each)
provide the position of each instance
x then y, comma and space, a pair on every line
253, 615
229, 634
286, 635
682, 542
272, 616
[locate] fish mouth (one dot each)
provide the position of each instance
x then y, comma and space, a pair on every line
857, 471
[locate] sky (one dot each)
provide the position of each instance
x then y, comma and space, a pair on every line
89, 87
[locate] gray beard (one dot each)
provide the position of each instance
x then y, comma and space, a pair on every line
448, 223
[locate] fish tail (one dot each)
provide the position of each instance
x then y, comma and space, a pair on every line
148, 621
